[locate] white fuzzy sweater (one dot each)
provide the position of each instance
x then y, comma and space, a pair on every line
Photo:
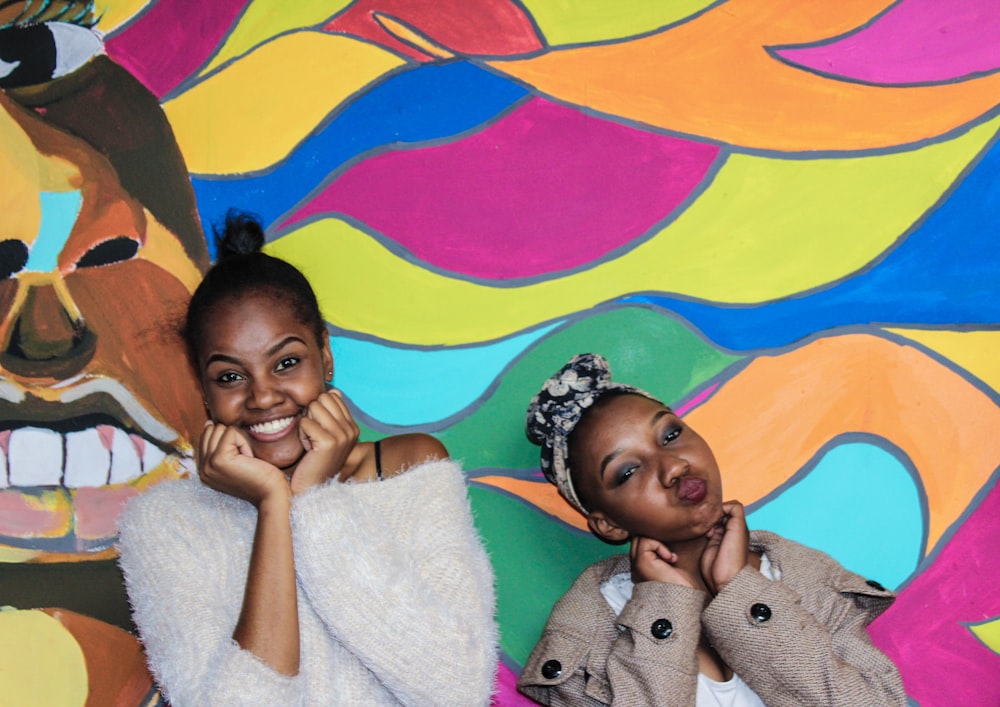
395, 594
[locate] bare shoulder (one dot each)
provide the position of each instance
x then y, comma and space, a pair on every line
403, 452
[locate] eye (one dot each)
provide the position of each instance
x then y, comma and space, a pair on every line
13, 257
671, 434
107, 252
229, 377
36, 54
287, 362
624, 475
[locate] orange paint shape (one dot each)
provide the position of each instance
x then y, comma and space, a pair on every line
773, 418
538, 493
713, 77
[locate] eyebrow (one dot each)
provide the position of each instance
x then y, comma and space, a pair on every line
269, 352
611, 457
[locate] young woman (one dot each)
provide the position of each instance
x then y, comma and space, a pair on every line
700, 611
301, 566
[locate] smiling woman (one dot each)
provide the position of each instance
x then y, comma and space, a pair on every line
244, 580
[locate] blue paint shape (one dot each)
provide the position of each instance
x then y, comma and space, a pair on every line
398, 386
430, 102
947, 272
59, 212
860, 505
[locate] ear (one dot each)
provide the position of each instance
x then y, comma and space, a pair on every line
327, 361
606, 529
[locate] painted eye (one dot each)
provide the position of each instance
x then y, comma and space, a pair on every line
110, 251
13, 257
39, 53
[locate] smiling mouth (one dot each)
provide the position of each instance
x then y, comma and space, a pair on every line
273, 427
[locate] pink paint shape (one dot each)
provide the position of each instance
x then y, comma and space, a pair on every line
917, 41
507, 694
925, 631
546, 188
170, 40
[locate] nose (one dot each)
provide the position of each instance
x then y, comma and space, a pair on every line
671, 467
264, 393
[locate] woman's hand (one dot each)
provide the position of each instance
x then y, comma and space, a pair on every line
328, 434
652, 561
728, 549
227, 464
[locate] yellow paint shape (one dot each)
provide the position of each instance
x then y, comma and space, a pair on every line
773, 418
265, 19
251, 114
112, 14
765, 229
584, 21
42, 662
713, 77
989, 634
978, 352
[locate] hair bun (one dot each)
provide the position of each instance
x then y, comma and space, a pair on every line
241, 235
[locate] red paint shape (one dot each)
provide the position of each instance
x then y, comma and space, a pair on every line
470, 27
170, 40
547, 188
925, 631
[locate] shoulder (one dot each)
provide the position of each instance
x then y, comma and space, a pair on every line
402, 453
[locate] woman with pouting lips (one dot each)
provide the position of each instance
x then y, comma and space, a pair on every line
700, 611
302, 566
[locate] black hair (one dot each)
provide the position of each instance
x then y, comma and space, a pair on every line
242, 269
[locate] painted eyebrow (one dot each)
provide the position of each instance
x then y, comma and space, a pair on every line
270, 352
611, 457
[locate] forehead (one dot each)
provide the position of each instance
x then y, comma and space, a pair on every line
251, 321
615, 417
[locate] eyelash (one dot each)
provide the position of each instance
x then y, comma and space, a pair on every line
672, 434
282, 364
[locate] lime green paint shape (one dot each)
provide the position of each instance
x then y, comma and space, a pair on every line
765, 229
588, 21
989, 633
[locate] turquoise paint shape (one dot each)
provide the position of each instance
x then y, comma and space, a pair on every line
398, 386
59, 212
860, 505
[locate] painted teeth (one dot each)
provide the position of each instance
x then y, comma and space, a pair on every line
272, 426
36, 456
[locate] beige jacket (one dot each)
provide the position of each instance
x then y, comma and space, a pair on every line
797, 641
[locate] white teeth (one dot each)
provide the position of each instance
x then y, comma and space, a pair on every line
87, 460
125, 462
272, 426
35, 457
152, 456
42, 457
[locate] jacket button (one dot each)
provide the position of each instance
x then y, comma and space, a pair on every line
875, 585
661, 628
760, 613
551, 669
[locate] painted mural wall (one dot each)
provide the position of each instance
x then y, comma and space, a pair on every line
782, 217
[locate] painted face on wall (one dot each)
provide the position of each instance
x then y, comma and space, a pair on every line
100, 248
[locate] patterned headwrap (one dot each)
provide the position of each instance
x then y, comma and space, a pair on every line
557, 408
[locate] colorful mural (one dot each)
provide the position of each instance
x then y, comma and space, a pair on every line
779, 216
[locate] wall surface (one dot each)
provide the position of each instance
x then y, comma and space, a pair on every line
779, 216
